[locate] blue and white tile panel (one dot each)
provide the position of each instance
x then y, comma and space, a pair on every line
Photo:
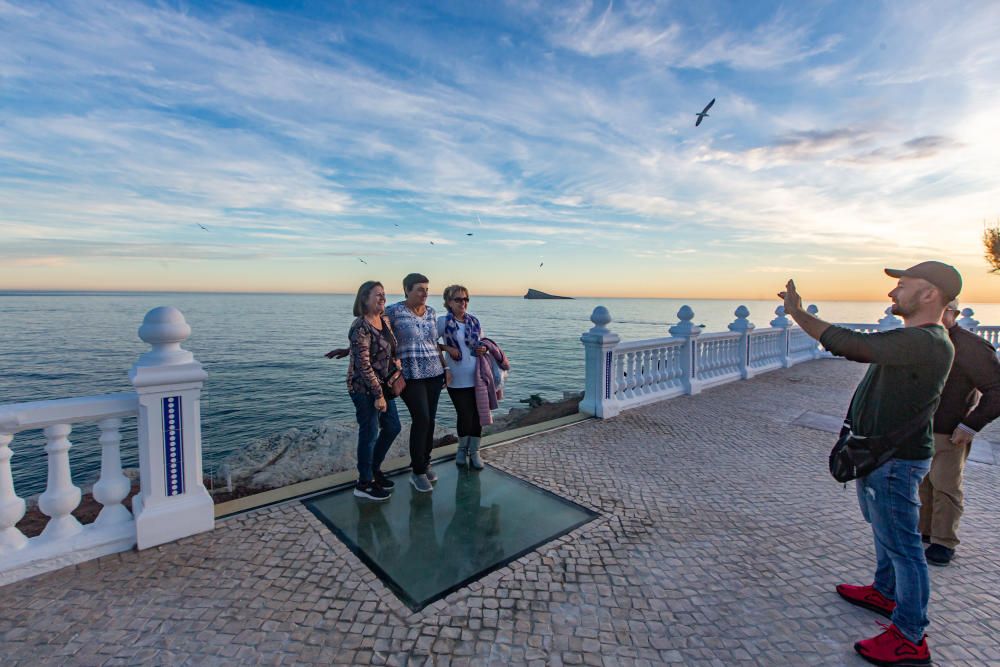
173, 445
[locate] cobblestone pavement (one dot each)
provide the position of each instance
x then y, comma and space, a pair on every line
720, 540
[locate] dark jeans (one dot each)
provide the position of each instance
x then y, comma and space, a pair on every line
421, 398
468, 414
376, 431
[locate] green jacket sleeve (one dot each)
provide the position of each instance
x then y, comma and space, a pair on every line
889, 348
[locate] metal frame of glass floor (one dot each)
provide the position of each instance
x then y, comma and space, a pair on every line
424, 546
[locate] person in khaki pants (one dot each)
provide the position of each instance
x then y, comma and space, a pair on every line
975, 374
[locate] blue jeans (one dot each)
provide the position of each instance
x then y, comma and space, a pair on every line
890, 502
376, 431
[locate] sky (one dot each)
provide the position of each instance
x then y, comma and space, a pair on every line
309, 146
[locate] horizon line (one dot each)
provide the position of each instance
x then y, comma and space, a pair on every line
65, 292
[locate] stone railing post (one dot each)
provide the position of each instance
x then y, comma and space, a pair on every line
689, 362
966, 321
744, 326
599, 344
813, 310
782, 322
890, 321
172, 501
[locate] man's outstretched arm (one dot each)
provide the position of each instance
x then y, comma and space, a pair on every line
811, 324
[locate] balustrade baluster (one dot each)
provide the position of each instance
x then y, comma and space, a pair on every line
113, 486
647, 371
60, 497
630, 365
11, 506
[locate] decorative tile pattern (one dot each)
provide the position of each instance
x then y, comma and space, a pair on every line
173, 445
607, 375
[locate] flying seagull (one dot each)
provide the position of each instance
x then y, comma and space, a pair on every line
468, 233
432, 242
202, 226
704, 113
362, 261
541, 265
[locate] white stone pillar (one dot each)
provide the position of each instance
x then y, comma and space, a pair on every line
11, 506
813, 310
599, 344
113, 486
781, 321
744, 326
687, 330
172, 501
966, 321
890, 321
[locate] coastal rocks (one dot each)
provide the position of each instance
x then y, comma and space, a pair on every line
539, 410
296, 455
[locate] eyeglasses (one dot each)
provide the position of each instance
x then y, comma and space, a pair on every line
461, 299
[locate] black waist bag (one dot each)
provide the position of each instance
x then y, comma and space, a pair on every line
855, 456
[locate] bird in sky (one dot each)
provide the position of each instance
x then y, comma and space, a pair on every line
468, 233
704, 113
202, 226
541, 265
362, 261
432, 242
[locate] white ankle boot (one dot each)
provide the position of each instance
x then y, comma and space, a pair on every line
463, 450
474, 459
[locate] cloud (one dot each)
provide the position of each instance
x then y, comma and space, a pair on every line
918, 148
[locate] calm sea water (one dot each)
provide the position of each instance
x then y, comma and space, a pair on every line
264, 356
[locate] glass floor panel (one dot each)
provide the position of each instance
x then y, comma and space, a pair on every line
424, 546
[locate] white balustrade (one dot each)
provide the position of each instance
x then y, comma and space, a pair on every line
626, 375
168, 382
646, 371
718, 358
991, 334
767, 350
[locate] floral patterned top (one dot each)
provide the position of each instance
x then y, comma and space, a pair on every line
417, 337
372, 355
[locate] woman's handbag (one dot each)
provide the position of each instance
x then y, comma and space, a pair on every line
855, 456
394, 385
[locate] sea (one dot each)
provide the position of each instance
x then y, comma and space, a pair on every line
264, 356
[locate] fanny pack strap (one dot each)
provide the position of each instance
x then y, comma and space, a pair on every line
901, 434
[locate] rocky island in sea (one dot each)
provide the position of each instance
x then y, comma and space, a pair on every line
535, 294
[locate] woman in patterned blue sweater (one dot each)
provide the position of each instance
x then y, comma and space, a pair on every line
415, 325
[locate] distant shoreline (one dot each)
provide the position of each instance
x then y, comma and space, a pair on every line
5, 292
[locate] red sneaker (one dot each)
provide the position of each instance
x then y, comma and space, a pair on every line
867, 597
891, 648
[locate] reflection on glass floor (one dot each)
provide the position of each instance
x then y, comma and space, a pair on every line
424, 546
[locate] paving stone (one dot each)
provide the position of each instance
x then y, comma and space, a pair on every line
719, 541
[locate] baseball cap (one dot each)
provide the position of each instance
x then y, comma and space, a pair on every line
943, 276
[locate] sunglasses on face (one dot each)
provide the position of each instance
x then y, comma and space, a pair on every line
461, 299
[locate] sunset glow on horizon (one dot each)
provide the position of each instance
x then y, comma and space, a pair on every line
250, 147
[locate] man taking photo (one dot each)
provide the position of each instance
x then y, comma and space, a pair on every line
898, 394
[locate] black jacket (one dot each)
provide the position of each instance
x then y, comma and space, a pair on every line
975, 369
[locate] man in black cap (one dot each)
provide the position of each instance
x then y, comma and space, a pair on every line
898, 396
957, 421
